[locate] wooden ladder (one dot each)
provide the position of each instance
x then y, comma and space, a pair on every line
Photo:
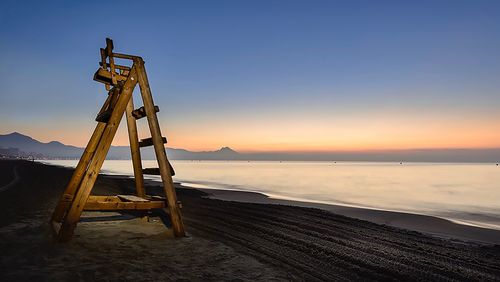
120, 81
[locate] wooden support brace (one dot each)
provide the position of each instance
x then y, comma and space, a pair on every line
135, 149
122, 202
80, 198
161, 156
125, 56
109, 51
109, 206
78, 174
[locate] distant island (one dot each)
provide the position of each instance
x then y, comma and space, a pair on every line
19, 145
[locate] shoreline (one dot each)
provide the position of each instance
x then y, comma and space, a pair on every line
427, 224
412, 219
226, 239
321, 204
432, 225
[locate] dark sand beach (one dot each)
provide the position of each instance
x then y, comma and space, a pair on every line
231, 236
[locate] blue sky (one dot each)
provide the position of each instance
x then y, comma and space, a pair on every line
263, 75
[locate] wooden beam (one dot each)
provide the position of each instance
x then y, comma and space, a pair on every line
109, 46
161, 156
107, 206
109, 51
103, 63
135, 149
104, 55
78, 174
76, 208
125, 56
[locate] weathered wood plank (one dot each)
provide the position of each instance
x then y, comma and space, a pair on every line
107, 206
135, 149
109, 50
131, 198
149, 142
78, 174
161, 156
75, 210
125, 56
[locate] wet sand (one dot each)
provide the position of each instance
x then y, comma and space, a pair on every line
255, 240
427, 224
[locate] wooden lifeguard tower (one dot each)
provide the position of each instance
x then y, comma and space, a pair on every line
120, 81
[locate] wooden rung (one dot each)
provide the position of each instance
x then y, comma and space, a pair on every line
151, 171
141, 112
149, 142
131, 198
108, 206
156, 171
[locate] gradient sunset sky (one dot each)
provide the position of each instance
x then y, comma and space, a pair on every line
262, 75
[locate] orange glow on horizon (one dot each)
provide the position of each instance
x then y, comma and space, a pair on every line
299, 135
347, 143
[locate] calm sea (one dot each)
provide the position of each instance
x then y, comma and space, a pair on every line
464, 193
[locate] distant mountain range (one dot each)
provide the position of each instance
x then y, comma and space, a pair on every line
25, 145
19, 144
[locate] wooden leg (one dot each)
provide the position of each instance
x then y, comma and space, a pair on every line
81, 196
134, 149
161, 156
77, 176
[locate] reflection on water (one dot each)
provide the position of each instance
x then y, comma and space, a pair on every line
467, 193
